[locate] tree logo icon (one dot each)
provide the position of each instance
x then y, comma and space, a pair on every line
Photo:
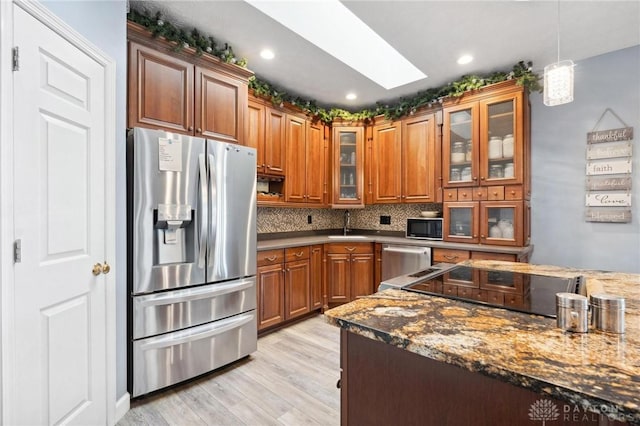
543, 409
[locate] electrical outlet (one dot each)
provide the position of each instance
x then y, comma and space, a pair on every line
385, 220
309, 219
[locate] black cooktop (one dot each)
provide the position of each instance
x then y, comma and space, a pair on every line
523, 292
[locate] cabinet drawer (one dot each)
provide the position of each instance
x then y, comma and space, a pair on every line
465, 194
483, 255
341, 248
495, 193
479, 193
513, 192
450, 195
449, 255
296, 253
270, 257
451, 290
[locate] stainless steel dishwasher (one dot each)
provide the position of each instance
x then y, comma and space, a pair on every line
399, 260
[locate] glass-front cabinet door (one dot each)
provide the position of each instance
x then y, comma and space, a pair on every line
461, 222
501, 140
460, 146
501, 223
348, 156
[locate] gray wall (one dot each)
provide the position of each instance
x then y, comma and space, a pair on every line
104, 23
559, 231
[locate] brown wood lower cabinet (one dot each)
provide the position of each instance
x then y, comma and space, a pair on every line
381, 384
349, 271
289, 284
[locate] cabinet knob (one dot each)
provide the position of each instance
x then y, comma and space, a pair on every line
495, 192
475, 235
513, 192
190, 128
450, 195
479, 194
464, 194
481, 236
481, 177
268, 166
198, 130
475, 178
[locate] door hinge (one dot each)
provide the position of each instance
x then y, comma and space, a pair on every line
16, 59
17, 251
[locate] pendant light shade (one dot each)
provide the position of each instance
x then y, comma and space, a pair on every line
558, 83
558, 77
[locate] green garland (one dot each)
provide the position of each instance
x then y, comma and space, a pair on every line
160, 28
521, 72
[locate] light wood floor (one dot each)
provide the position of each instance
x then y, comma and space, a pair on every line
290, 380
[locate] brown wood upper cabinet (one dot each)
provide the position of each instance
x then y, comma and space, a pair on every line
266, 132
178, 92
348, 166
305, 148
485, 138
403, 161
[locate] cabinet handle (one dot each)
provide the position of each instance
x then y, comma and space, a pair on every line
198, 130
272, 258
190, 128
350, 248
298, 254
450, 257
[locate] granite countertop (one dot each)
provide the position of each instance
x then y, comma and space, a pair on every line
596, 371
295, 241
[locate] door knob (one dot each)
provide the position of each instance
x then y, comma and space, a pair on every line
97, 269
106, 268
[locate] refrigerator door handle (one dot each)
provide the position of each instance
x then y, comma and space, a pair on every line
201, 332
213, 189
198, 293
204, 206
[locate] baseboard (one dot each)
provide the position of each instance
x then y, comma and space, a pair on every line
122, 406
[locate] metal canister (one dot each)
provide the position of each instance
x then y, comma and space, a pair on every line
607, 312
572, 312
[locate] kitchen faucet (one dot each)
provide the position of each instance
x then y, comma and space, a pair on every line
347, 221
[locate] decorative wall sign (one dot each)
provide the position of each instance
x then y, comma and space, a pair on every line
608, 199
613, 135
609, 167
608, 215
608, 170
609, 150
609, 183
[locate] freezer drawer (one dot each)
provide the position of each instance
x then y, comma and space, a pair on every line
174, 357
174, 310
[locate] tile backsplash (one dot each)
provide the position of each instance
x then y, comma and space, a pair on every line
275, 219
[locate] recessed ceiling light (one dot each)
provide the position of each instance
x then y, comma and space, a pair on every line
465, 59
326, 24
267, 54
351, 96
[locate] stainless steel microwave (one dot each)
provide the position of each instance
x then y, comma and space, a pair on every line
424, 228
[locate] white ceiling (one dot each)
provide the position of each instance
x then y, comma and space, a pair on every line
431, 34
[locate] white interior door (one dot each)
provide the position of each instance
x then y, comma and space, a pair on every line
59, 305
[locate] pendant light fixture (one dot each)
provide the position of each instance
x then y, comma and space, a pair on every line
558, 77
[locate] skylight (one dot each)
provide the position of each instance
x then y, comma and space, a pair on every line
335, 29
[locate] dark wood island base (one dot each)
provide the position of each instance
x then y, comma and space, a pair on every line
382, 384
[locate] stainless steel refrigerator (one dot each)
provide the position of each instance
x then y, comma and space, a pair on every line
191, 256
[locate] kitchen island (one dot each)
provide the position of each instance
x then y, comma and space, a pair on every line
409, 358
